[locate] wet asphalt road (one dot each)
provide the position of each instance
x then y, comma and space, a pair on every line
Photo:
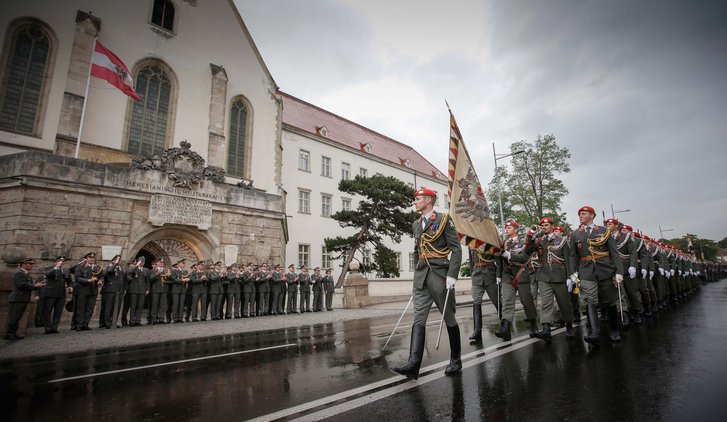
671, 368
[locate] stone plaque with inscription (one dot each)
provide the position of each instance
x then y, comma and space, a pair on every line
165, 209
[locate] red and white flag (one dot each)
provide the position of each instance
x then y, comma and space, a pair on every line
107, 66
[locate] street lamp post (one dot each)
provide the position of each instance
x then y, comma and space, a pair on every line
613, 213
499, 190
661, 231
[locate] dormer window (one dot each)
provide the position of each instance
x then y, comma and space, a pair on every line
365, 147
322, 131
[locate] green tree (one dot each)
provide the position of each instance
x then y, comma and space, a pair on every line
722, 243
706, 246
531, 189
382, 213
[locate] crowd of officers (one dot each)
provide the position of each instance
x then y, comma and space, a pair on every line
205, 291
611, 273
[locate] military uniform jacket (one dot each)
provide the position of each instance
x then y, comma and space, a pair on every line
291, 279
215, 282
155, 282
582, 261
22, 286
114, 279
553, 258
277, 283
57, 280
438, 234
198, 283
84, 287
626, 250
317, 281
248, 282
262, 281
518, 257
304, 282
645, 260
138, 279
233, 283
328, 284
176, 281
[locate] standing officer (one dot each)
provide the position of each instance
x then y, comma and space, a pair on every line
304, 282
158, 288
512, 272
262, 285
317, 281
437, 258
291, 278
277, 287
248, 291
138, 279
234, 290
198, 285
87, 280
19, 298
215, 276
630, 298
113, 290
329, 286
594, 261
484, 279
178, 281
58, 283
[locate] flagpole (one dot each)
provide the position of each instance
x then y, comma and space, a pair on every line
85, 99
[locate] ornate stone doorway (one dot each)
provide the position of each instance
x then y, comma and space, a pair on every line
172, 244
170, 250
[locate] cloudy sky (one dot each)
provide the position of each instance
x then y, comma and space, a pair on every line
636, 90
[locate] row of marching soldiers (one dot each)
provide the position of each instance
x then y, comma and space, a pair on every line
205, 291
618, 276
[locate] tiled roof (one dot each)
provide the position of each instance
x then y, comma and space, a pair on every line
314, 120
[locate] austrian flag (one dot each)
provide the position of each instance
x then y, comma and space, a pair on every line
107, 66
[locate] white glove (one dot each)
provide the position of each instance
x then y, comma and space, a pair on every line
672, 272
651, 275
450, 282
667, 274
661, 271
570, 283
499, 281
619, 278
574, 277
506, 255
632, 272
643, 273
678, 272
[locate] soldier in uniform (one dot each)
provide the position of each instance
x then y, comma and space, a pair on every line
198, 285
512, 274
158, 289
248, 291
304, 283
277, 287
138, 282
552, 277
329, 286
291, 278
58, 283
87, 281
19, 297
437, 258
573, 291
178, 281
643, 265
630, 297
484, 279
113, 290
234, 291
215, 275
262, 286
317, 281
594, 261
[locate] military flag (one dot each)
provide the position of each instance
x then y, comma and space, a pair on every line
468, 207
107, 66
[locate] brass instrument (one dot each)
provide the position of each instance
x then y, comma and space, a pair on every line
164, 277
185, 278
99, 282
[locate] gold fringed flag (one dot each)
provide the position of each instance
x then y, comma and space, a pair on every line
468, 207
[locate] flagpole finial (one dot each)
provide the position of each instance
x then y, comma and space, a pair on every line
445, 102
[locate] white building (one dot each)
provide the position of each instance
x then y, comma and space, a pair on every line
321, 148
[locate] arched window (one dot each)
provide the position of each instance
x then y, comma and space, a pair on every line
162, 14
24, 76
149, 125
237, 151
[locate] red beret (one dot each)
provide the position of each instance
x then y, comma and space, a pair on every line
637, 235
425, 192
611, 220
627, 227
559, 228
512, 223
546, 220
588, 209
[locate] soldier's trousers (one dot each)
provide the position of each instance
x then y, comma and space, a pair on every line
483, 280
534, 290
111, 309
102, 311
559, 292
54, 306
196, 299
177, 306
433, 290
169, 299
125, 309
661, 288
292, 298
672, 287
630, 287
318, 298
599, 292
304, 300
187, 304
215, 301
157, 307
39, 321
645, 291
136, 307
15, 313
233, 302
84, 310
275, 302
263, 300
329, 301
248, 303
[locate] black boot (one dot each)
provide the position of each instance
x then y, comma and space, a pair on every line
544, 334
500, 332
613, 320
533, 328
455, 346
416, 350
505, 329
569, 333
647, 310
476, 336
636, 318
593, 325
603, 314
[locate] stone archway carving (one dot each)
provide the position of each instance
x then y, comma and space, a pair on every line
172, 243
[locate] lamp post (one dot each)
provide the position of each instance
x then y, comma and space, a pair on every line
661, 231
613, 213
499, 190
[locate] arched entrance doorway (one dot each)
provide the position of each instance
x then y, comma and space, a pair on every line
174, 243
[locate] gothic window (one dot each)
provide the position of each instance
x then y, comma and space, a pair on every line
150, 123
25, 72
237, 152
162, 14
